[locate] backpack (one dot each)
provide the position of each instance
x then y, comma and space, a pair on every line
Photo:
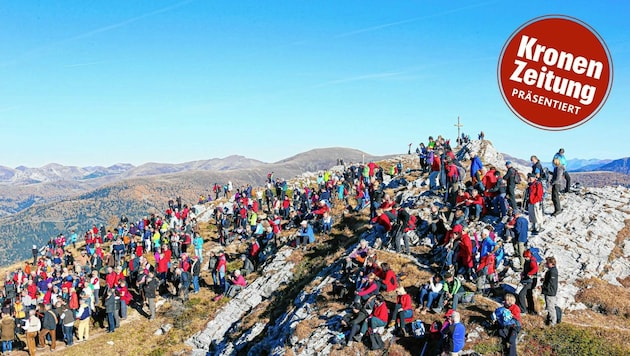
558, 315
504, 317
536, 253
376, 342
417, 329
517, 177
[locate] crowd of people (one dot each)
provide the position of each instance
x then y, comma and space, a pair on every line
467, 229
61, 292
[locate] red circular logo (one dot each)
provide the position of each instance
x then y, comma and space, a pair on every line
555, 72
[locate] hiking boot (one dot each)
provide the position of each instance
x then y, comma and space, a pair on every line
391, 324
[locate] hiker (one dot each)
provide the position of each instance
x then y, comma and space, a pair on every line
195, 270
110, 309
498, 191
455, 335
535, 202
237, 283
354, 320
150, 289
452, 291
83, 315
402, 311
565, 172
529, 280
508, 331
248, 266
32, 327
7, 332
516, 231
556, 186
550, 289
476, 172
511, 179
305, 235
67, 318
431, 290
386, 278
378, 317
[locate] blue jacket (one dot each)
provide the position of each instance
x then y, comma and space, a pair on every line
520, 229
457, 339
475, 165
308, 231
487, 245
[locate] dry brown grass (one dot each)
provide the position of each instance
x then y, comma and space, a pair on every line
603, 296
305, 328
622, 236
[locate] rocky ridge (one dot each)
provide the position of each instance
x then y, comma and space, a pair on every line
583, 239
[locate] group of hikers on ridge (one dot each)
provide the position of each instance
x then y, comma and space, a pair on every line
113, 271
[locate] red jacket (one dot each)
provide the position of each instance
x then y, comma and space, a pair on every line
478, 200
125, 295
488, 260
381, 312
383, 220
405, 301
111, 279
369, 288
535, 192
516, 312
390, 280
465, 251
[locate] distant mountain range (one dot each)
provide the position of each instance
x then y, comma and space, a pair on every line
65, 199
621, 165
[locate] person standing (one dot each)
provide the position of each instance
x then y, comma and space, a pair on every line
550, 289
510, 179
518, 228
49, 327
32, 327
455, 335
150, 291
565, 173
509, 334
67, 319
195, 269
529, 280
535, 201
110, 309
556, 185
7, 326
83, 314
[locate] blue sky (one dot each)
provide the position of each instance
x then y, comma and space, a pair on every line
100, 82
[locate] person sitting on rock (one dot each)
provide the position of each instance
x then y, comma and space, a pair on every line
386, 278
402, 310
305, 235
429, 292
237, 283
353, 321
378, 318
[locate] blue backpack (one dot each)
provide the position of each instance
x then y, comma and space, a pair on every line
417, 328
536, 253
504, 317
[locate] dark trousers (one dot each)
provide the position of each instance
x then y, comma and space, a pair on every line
567, 178
526, 296
111, 322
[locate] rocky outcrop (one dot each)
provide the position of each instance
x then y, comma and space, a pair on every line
274, 274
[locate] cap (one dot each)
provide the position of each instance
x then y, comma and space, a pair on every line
458, 228
304, 222
531, 175
449, 313
508, 163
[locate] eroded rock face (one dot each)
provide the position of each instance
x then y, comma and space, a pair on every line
274, 274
